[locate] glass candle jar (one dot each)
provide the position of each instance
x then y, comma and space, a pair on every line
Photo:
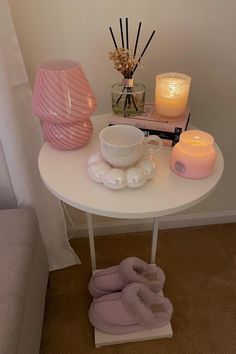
172, 91
194, 155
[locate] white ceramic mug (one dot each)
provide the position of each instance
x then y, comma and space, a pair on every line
123, 145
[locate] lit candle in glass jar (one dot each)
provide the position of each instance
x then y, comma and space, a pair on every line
172, 91
194, 155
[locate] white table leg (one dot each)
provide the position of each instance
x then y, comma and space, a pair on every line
91, 240
154, 240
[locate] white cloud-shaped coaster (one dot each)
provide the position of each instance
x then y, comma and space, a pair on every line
115, 178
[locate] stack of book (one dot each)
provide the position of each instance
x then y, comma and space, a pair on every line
168, 129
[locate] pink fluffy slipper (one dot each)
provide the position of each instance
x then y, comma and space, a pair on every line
134, 309
131, 269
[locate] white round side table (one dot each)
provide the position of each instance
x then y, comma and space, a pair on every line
65, 175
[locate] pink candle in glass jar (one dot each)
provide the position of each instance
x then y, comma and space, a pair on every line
194, 155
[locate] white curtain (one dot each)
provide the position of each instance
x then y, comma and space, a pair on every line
21, 139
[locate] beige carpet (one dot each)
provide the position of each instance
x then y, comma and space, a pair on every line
200, 267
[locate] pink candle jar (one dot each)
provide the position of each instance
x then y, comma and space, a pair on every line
194, 155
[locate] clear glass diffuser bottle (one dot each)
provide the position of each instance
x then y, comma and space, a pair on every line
128, 98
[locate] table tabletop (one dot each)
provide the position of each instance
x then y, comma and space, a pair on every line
65, 175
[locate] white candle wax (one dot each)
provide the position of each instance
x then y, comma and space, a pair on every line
172, 91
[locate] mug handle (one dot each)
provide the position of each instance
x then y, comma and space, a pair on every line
152, 144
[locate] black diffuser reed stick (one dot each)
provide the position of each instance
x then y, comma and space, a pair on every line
114, 41
127, 33
144, 50
137, 38
121, 34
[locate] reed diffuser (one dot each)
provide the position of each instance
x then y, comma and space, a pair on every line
128, 97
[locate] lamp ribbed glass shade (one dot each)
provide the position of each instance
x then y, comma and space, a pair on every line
62, 93
63, 100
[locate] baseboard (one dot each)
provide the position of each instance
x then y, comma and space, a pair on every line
166, 222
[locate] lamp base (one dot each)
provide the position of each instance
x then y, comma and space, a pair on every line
68, 136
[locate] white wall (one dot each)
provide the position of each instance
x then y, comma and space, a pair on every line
194, 37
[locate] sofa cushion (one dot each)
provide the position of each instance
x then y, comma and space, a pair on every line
18, 239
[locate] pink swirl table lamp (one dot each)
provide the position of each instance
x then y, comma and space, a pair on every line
63, 100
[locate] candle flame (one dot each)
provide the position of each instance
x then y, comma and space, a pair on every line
173, 90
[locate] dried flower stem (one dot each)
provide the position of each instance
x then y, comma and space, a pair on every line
123, 61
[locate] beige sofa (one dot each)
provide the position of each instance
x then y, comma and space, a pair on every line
23, 276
